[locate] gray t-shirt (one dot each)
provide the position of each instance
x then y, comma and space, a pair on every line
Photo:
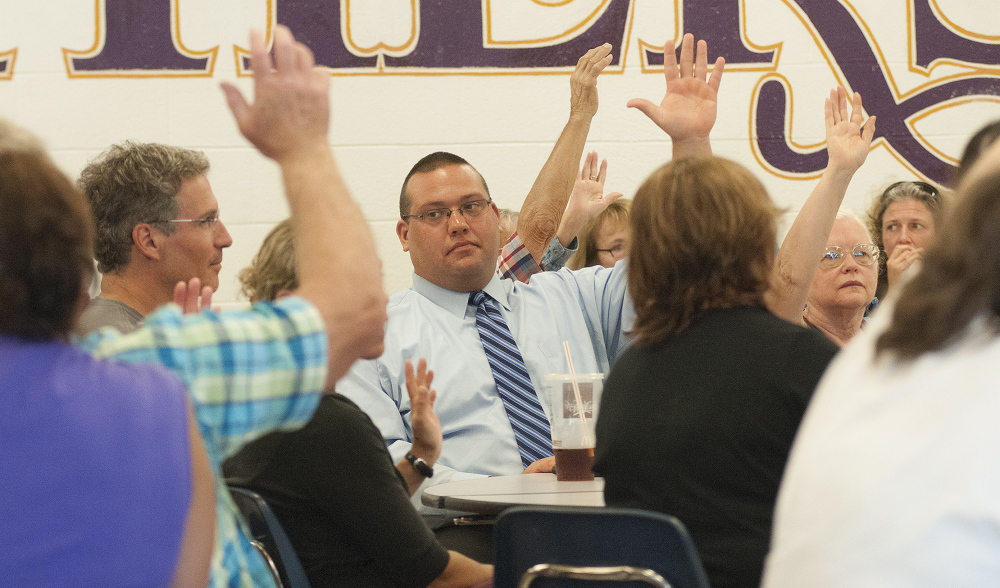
103, 312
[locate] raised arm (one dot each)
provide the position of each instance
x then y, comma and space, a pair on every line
544, 205
688, 110
847, 142
338, 268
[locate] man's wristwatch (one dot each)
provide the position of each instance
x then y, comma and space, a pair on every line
420, 465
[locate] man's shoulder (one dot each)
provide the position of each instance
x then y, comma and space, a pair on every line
168, 328
104, 312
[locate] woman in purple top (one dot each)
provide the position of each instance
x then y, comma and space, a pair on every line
104, 480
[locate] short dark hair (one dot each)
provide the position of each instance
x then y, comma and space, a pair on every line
959, 280
46, 241
134, 183
705, 234
429, 163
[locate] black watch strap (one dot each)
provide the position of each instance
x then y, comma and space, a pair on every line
420, 465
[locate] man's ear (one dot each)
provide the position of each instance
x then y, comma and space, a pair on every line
147, 240
403, 232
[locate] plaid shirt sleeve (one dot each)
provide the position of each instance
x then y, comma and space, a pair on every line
516, 261
247, 372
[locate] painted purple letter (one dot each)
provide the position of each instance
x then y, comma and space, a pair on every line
854, 55
137, 36
317, 24
718, 23
451, 37
935, 41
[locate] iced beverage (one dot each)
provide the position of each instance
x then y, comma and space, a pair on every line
573, 416
574, 464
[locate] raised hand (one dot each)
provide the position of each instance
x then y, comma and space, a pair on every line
427, 438
191, 297
583, 82
688, 109
291, 109
587, 199
848, 139
588, 196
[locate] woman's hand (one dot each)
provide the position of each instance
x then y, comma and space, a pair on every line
902, 257
848, 139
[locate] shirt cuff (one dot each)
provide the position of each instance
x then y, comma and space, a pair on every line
556, 255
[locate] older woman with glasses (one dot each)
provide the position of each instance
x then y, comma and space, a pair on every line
844, 284
902, 221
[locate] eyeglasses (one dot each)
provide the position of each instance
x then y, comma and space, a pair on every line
863, 253
436, 216
210, 222
618, 251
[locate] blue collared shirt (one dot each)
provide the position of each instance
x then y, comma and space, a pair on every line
589, 308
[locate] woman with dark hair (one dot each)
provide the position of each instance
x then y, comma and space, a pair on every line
105, 479
894, 475
902, 221
699, 413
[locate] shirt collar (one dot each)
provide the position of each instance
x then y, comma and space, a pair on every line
457, 303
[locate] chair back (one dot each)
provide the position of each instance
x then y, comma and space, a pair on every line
269, 534
547, 547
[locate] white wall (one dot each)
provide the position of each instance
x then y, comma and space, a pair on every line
503, 124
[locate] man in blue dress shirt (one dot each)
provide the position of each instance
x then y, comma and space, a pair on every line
450, 227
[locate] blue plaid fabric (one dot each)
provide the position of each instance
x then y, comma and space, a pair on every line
531, 426
247, 373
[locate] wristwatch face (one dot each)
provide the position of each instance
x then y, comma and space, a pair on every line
420, 465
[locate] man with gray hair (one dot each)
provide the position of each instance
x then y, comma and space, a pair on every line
157, 224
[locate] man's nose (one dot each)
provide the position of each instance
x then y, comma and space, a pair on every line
222, 237
456, 222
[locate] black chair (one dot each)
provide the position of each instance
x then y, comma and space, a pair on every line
579, 546
270, 539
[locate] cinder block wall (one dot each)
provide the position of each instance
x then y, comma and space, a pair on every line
927, 68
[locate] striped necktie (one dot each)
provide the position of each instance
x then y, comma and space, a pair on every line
531, 426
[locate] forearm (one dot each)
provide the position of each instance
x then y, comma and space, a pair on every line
543, 207
570, 226
337, 264
798, 259
413, 478
462, 571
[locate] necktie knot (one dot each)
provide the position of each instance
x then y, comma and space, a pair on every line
478, 297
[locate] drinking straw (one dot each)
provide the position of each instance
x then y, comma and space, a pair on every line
576, 392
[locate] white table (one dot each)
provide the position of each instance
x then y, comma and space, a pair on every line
492, 495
